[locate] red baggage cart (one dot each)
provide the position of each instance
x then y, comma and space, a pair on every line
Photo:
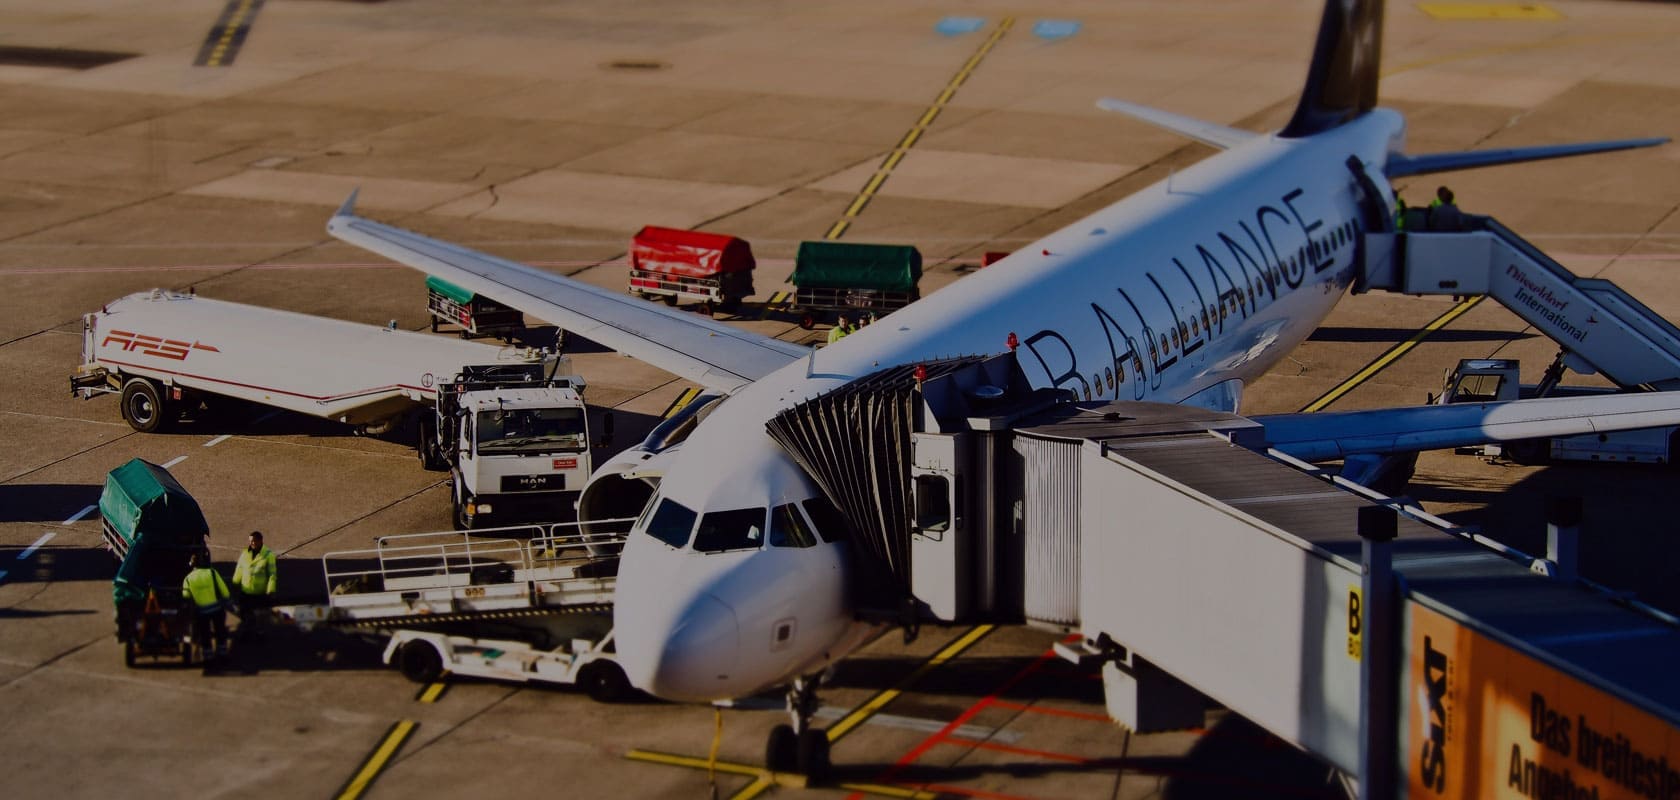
712, 268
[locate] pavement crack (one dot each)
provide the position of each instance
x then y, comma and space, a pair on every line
55, 659
335, 529
458, 725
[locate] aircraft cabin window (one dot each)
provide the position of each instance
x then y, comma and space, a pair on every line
672, 523
740, 529
933, 503
789, 529
831, 524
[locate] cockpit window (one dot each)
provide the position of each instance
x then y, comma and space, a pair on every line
831, 524
740, 529
788, 528
672, 523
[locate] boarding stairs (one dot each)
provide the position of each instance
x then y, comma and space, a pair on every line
1603, 327
464, 576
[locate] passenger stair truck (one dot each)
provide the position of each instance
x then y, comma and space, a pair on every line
674, 265
1600, 328
534, 605
510, 424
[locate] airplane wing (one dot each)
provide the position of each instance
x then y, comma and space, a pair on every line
712, 354
1327, 435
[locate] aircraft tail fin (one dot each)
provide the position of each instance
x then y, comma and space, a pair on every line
1342, 81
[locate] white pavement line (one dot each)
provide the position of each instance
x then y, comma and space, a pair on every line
218, 440
173, 461
45, 537
79, 514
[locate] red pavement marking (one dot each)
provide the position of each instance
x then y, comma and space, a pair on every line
978, 744
962, 719
1055, 712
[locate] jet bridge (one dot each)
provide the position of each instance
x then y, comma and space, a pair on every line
1198, 563
1600, 327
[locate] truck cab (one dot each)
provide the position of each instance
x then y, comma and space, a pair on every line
519, 441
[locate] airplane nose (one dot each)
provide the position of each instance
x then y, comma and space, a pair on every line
695, 656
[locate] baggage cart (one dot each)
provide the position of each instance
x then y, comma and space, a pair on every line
475, 314
712, 268
863, 278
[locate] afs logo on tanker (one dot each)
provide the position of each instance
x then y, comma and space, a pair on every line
153, 346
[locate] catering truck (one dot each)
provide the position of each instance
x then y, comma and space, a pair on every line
509, 424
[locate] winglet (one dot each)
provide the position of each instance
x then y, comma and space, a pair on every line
1400, 166
349, 207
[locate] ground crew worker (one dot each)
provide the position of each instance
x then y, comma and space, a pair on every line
257, 577
842, 327
209, 595
1443, 212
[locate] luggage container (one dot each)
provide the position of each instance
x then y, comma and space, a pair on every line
712, 268
838, 276
153, 527
475, 314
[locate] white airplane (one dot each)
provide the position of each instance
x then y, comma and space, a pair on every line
735, 576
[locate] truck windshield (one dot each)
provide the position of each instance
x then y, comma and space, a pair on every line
531, 430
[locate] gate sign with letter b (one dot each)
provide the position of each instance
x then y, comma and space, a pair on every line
1356, 621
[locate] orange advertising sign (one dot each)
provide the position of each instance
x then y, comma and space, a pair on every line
1485, 720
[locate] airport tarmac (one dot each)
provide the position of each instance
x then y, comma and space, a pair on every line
203, 145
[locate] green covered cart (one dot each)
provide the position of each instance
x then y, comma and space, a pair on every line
858, 278
153, 527
475, 314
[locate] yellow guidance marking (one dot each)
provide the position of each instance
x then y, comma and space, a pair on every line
875, 704
892, 160
775, 301
1394, 353
1489, 11
764, 779
230, 29
376, 761
433, 692
683, 399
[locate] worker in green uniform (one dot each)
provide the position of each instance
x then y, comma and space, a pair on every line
209, 594
257, 578
842, 327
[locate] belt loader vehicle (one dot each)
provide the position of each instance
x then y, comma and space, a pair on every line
509, 424
521, 605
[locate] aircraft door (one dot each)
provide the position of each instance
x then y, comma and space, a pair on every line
941, 550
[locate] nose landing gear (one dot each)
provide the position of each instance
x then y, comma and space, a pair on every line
799, 747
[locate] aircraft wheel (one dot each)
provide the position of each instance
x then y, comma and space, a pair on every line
142, 405
781, 752
813, 754
605, 682
419, 661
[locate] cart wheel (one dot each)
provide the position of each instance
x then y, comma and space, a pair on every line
605, 682
704, 308
186, 653
670, 299
419, 661
807, 322
142, 406
129, 654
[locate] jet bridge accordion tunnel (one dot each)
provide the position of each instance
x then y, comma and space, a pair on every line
919, 459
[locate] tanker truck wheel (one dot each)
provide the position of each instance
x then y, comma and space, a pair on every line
142, 406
